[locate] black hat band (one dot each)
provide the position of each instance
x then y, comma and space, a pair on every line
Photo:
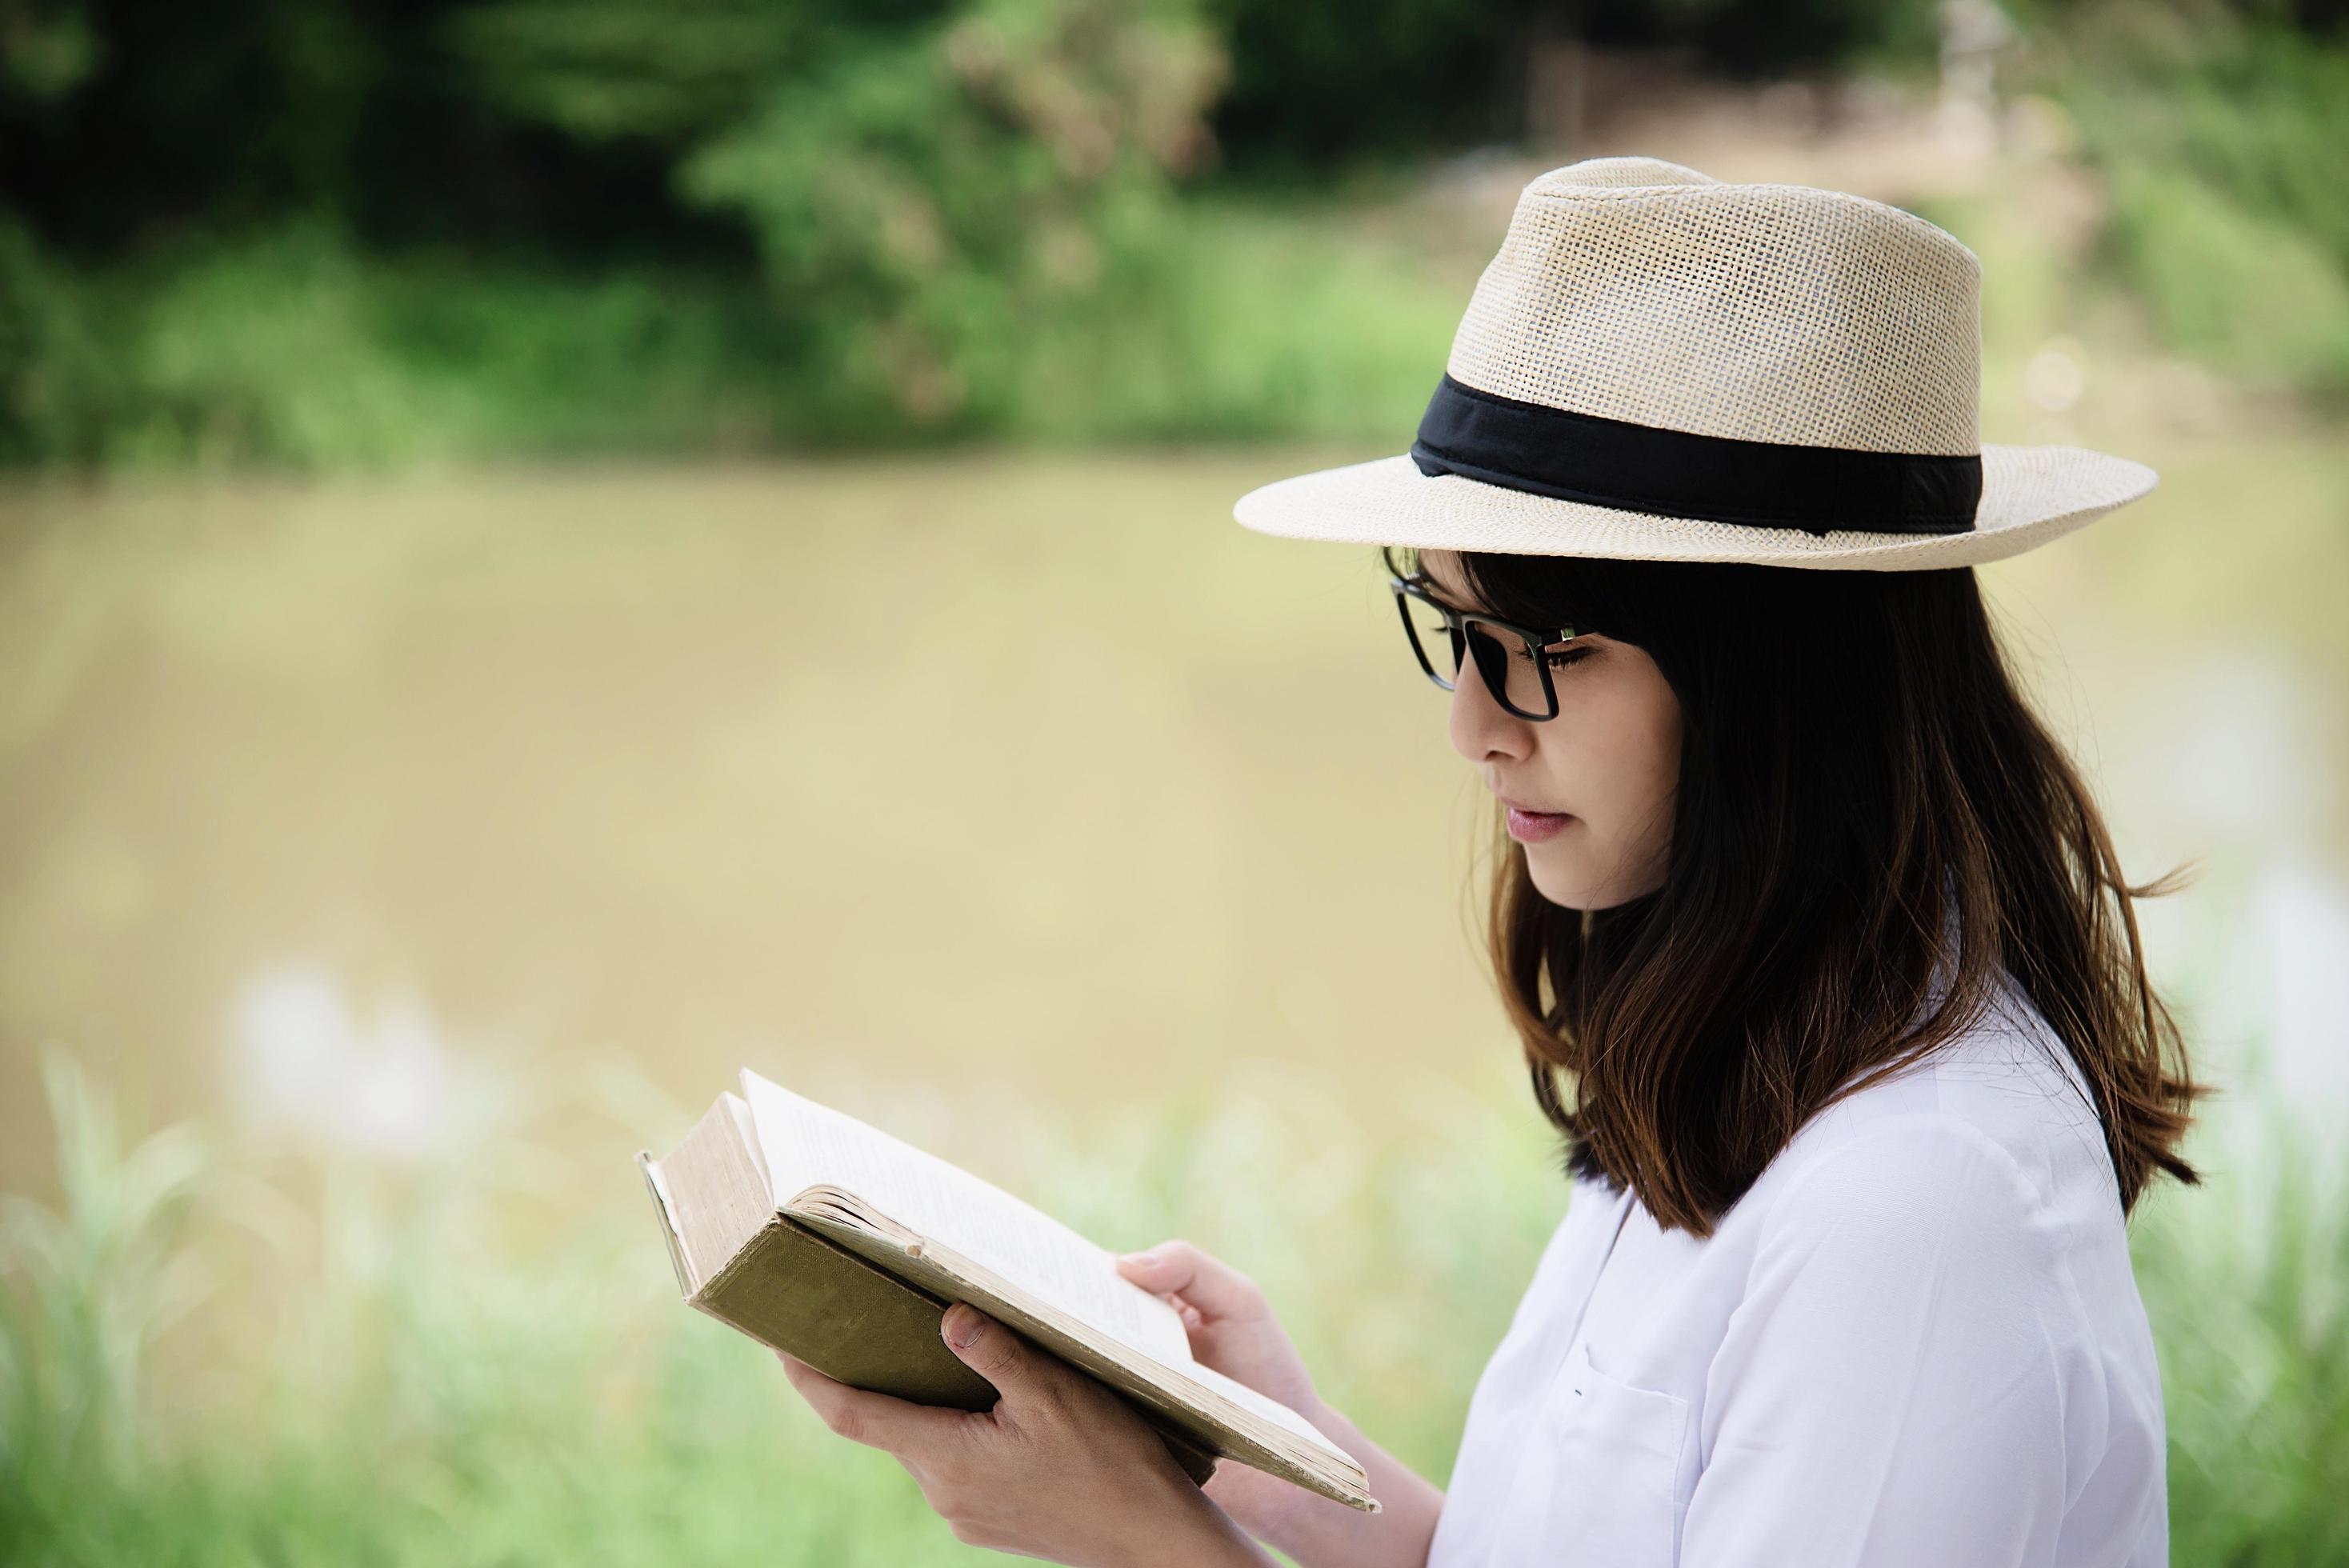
1630, 467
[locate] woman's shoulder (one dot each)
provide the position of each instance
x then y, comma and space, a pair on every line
1999, 1115
1973, 1189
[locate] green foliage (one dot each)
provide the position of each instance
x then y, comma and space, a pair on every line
926, 189
56, 372
296, 348
280, 234
2221, 132
2256, 297
925, 184
299, 349
1245, 320
607, 69
2248, 1284
85, 1291
924, 207
443, 1392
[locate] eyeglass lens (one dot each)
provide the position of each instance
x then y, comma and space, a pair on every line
1498, 653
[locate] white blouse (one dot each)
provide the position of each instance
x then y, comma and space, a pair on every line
1915, 1343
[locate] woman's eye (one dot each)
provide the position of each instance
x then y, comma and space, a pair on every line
1557, 656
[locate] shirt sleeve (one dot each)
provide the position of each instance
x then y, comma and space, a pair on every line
1889, 1389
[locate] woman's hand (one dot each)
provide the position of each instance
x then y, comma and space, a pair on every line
1061, 1468
1234, 1331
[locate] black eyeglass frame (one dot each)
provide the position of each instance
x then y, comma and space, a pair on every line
1491, 656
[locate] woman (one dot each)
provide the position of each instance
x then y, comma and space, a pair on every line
1821, 926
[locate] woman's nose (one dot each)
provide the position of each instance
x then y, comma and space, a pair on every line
1480, 726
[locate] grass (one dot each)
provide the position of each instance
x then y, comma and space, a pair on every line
449, 1387
437, 1392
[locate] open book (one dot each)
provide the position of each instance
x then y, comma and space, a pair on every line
818, 1235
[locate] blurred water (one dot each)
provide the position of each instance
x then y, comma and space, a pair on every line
341, 807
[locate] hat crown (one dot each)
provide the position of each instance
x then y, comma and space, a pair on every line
1640, 289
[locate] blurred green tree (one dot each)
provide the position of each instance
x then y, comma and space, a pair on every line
2221, 126
920, 179
567, 225
932, 199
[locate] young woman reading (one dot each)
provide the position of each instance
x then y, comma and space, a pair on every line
1823, 964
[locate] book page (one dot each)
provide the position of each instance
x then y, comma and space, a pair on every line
1266, 1407
1230, 1418
748, 1130
806, 1145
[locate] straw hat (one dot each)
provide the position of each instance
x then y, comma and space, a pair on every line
1663, 366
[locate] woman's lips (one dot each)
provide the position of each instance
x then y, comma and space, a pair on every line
1532, 827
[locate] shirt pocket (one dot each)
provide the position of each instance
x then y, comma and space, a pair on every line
1599, 1483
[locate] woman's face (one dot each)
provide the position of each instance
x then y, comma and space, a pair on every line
1603, 771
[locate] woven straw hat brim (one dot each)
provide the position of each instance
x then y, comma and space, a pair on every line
2030, 495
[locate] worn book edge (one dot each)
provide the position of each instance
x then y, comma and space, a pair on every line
1024, 1259
1213, 1415
1192, 1408
941, 1378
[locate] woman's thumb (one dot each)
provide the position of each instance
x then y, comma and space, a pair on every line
984, 1346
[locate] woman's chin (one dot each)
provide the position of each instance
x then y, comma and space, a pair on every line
1561, 876
1561, 884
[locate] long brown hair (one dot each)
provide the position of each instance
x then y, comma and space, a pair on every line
1853, 744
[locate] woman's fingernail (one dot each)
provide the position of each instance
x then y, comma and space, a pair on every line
962, 1324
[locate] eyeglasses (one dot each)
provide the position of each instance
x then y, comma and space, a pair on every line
1514, 660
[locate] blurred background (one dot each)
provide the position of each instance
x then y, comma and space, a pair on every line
555, 549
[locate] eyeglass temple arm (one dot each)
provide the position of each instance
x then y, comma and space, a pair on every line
1540, 636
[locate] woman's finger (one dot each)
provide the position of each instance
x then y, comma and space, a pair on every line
1208, 1282
1026, 1380
876, 1420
